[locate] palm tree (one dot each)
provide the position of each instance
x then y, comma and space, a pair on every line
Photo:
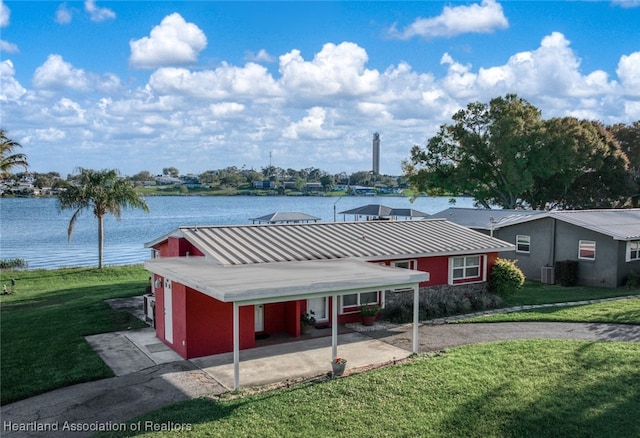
102, 191
8, 159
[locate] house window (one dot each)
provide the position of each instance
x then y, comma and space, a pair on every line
587, 250
404, 264
633, 250
523, 243
465, 268
352, 302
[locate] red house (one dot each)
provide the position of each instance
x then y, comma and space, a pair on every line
217, 287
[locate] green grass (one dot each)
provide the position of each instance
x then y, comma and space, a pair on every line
535, 292
508, 389
44, 322
614, 312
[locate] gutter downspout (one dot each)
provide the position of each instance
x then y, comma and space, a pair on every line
553, 243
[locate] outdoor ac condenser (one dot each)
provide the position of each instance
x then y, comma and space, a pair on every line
149, 309
548, 275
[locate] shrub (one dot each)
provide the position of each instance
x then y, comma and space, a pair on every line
13, 264
506, 278
566, 273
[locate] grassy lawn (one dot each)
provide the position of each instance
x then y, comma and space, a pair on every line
535, 292
615, 312
508, 389
44, 322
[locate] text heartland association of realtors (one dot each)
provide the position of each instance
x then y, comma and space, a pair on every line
109, 426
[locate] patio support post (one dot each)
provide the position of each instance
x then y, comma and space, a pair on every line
334, 327
236, 346
416, 316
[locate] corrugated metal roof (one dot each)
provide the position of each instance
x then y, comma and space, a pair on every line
483, 218
371, 240
621, 224
285, 216
384, 211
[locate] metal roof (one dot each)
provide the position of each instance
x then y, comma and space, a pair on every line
370, 240
484, 218
620, 224
273, 282
384, 211
285, 217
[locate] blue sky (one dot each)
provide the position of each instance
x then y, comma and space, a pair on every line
204, 85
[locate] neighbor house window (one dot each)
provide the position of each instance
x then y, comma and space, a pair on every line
352, 302
633, 250
587, 250
523, 243
465, 268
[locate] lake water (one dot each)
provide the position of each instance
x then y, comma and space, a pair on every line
33, 229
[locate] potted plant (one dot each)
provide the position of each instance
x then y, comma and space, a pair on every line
338, 365
307, 322
369, 313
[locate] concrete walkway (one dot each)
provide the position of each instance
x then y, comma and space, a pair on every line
149, 378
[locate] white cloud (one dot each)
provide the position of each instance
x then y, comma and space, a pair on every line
261, 56
626, 3
337, 70
226, 109
172, 42
56, 73
456, 20
10, 88
64, 15
629, 73
221, 83
7, 47
5, 15
315, 125
98, 14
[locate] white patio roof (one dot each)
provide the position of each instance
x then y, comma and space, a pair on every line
284, 281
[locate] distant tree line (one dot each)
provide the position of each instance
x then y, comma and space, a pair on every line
504, 154
234, 178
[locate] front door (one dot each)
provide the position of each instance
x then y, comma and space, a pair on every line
259, 317
319, 308
168, 312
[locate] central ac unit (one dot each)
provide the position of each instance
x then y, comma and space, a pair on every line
548, 275
149, 309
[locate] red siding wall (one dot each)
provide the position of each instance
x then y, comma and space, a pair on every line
178, 247
210, 326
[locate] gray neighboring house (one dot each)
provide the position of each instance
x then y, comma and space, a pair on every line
605, 243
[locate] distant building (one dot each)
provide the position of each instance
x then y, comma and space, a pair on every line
376, 153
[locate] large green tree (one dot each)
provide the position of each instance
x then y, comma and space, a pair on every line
588, 168
8, 157
491, 152
103, 192
629, 138
504, 154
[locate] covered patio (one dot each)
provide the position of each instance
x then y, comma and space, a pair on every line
255, 284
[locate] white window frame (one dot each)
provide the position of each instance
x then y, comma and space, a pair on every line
586, 245
482, 269
326, 310
412, 264
524, 239
633, 246
356, 307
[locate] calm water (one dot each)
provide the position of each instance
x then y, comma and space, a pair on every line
33, 229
